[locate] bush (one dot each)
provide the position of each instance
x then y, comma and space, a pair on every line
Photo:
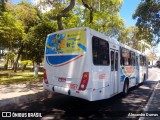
29, 62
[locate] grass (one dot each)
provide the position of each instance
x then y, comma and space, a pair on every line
9, 77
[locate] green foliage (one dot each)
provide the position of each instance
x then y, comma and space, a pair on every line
132, 37
148, 19
27, 62
35, 40
125, 35
151, 56
105, 16
11, 30
9, 55
27, 14
24, 28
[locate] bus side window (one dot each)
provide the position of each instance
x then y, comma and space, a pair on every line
132, 58
116, 62
141, 60
144, 60
112, 60
121, 58
100, 49
125, 57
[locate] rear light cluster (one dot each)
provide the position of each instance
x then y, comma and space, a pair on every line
84, 81
45, 76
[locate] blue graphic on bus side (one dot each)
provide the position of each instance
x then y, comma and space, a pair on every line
56, 60
82, 47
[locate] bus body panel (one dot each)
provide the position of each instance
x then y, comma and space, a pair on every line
65, 67
100, 74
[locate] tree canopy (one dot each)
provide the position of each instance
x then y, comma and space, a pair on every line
148, 19
24, 27
102, 15
11, 30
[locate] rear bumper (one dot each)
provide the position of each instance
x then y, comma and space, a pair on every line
86, 94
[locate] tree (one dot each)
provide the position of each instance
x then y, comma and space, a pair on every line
90, 10
103, 16
35, 41
100, 15
148, 19
152, 54
28, 15
2, 6
125, 35
60, 11
132, 37
63, 12
9, 56
11, 30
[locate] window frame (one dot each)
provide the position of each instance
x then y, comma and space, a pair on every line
100, 51
132, 60
126, 60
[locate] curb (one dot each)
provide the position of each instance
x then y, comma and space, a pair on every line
9, 103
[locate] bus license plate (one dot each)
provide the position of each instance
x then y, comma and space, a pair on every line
62, 79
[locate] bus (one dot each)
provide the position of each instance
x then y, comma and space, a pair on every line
87, 64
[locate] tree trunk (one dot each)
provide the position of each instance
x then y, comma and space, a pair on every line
6, 65
63, 12
18, 56
24, 67
3, 5
90, 9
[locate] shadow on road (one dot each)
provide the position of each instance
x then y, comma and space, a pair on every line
68, 107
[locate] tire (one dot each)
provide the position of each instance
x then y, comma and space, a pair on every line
144, 79
125, 88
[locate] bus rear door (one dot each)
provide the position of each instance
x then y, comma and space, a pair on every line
114, 71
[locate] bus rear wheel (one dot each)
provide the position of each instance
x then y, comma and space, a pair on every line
144, 79
125, 88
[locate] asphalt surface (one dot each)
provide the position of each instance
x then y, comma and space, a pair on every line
141, 98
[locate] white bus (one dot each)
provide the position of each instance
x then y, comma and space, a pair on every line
84, 63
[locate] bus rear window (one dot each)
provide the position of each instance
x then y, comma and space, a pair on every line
100, 51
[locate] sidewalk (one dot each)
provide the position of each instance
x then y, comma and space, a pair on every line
16, 94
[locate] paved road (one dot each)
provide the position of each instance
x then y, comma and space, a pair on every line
66, 107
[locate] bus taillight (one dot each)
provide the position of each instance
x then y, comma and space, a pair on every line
84, 81
45, 76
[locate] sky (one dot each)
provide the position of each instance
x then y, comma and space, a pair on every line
127, 9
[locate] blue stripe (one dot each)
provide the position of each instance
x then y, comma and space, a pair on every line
55, 60
82, 47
